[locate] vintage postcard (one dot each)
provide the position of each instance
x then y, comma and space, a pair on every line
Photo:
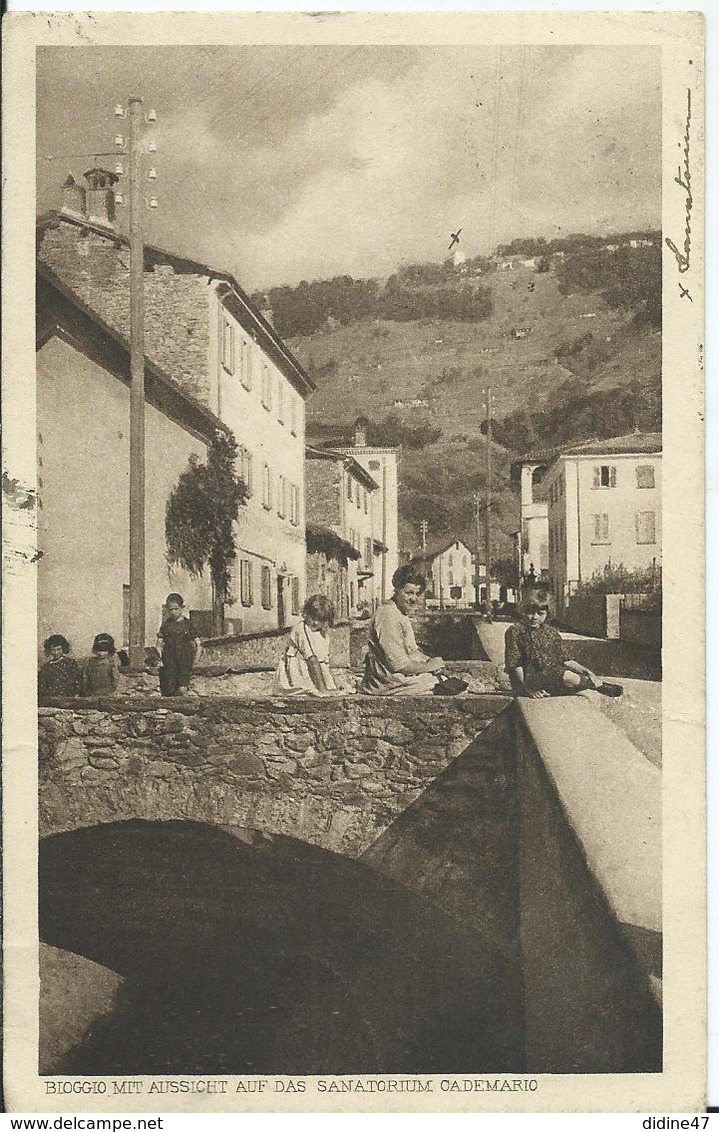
353, 497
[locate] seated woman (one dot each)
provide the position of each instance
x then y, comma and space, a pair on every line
536, 657
394, 664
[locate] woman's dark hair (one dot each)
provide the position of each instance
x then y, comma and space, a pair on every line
409, 575
177, 598
320, 608
104, 643
55, 640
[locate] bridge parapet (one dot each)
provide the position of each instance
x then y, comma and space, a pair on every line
333, 772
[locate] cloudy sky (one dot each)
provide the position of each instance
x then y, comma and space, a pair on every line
284, 163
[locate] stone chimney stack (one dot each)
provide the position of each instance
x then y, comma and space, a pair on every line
73, 197
361, 426
101, 196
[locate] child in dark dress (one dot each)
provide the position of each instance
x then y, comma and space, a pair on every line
101, 671
60, 675
536, 657
179, 647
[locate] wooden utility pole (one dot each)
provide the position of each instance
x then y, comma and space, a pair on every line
488, 494
477, 601
137, 394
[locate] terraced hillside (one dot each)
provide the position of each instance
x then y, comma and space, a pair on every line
538, 348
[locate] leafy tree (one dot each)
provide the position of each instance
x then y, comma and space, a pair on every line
199, 519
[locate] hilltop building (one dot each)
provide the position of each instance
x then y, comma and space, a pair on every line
604, 509
340, 498
203, 334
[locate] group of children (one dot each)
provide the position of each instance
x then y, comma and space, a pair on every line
62, 675
99, 674
536, 658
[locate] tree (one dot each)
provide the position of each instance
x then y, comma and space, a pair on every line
199, 519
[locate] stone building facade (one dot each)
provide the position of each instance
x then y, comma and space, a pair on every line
202, 330
341, 496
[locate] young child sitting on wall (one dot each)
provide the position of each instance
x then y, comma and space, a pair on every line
101, 671
536, 657
305, 666
60, 675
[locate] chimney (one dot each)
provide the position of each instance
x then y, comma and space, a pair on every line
267, 312
101, 196
73, 197
361, 426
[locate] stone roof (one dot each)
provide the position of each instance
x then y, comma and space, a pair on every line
93, 263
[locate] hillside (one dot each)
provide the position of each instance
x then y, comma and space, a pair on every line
540, 350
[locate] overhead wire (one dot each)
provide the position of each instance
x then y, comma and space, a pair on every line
253, 125
495, 147
519, 129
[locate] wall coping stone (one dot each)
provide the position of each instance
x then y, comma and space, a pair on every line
262, 634
480, 706
611, 797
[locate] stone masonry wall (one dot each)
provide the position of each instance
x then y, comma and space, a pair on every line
323, 487
332, 772
97, 268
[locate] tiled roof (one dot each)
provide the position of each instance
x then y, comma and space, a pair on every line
312, 453
616, 445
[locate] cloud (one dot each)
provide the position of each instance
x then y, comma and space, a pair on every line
283, 163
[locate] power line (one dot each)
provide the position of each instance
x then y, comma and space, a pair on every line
273, 113
517, 136
495, 146
282, 69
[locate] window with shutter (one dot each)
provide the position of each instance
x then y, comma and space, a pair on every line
246, 582
601, 529
227, 345
646, 527
245, 363
266, 386
295, 595
266, 587
645, 475
267, 487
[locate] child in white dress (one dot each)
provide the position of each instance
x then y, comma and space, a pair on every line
305, 667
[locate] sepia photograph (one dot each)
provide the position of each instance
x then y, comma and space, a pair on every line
339, 520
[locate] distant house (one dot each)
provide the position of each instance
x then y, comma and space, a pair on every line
382, 464
204, 333
340, 497
451, 570
519, 332
603, 508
